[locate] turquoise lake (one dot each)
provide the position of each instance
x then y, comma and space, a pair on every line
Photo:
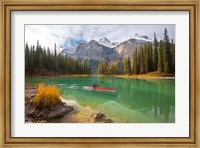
135, 100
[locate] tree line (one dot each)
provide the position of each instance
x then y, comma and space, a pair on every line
106, 68
39, 61
157, 56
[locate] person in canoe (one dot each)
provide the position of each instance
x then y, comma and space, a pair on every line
95, 85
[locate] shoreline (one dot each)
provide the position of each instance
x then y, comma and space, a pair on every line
143, 77
62, 75
77, 113
153, 75
82, 114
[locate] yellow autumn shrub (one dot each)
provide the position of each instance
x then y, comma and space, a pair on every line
47, 97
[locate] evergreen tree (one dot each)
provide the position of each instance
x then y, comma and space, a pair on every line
150, 57
167, 53
173, 55
141, 60
100, 68
146, 60
121, 67
49, 59
134, 65
27, 57
32, 60
160, 56
155, 53
129, 65
125, 66
55, 59
105, 67
113, 69
85, 66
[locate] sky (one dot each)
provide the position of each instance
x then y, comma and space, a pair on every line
70, 35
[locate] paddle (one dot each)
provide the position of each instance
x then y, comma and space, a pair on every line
100, 82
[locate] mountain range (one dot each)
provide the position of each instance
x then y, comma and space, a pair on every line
105, 50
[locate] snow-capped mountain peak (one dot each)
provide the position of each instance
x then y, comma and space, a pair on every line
104, 41
142, 37
67, 51
115, 43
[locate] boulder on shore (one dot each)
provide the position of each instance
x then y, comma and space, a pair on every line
33, 114
58, 111
100, 117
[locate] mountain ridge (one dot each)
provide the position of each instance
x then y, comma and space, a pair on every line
105, 50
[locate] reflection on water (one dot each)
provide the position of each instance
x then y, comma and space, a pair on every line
141, 101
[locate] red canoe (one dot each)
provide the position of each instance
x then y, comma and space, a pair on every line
99, 88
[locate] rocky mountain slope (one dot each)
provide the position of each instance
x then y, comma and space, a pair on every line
106, 50
126, 48
94, 50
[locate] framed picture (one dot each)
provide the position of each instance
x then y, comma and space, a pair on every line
100, 73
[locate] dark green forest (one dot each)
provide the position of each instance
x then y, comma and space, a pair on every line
39, 61
157, 56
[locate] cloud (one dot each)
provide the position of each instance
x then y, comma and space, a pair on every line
71, 42
71, 35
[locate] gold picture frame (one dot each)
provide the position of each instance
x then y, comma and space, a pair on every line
157, 5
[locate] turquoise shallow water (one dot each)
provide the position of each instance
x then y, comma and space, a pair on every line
135, 100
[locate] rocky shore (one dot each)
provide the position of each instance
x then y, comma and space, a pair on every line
33, 114
68, 111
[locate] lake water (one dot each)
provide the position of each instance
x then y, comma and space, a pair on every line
135, 100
